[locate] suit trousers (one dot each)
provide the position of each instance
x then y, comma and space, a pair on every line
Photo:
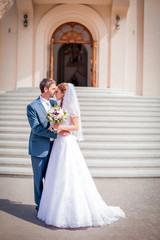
39, 166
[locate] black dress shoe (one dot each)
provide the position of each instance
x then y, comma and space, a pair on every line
37, 208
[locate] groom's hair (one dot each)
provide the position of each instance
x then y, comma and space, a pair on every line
46, 82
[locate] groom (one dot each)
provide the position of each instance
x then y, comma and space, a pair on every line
41, 139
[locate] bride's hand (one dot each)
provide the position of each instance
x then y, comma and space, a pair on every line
63, 133
56, 126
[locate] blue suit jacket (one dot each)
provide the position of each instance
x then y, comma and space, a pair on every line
39, 141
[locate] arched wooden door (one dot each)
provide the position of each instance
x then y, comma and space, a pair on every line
73, 37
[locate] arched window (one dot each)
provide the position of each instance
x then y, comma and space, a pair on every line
72, 33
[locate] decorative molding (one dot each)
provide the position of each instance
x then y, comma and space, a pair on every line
5, 5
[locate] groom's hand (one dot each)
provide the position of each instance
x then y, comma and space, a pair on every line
51, 128
64, 133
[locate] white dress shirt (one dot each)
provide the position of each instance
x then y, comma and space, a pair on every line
46, 104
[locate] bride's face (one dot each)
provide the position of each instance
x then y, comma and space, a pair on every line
59, 94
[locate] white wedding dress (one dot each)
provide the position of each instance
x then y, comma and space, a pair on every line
70, 198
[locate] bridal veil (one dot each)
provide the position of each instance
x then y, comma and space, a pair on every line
72, 107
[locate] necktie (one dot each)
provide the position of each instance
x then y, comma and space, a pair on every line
48, 105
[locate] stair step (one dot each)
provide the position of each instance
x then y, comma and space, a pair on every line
87, 124
16, 171
93, 146
126, 172
120, 108
83, 100
103, 138
79, 89
122, 131
95, 172
18, 162
97, 153
90, 119
118, 153
82, 91
24, 102
119, 146
22, 108
151, 162
93, 131
14, 136
87, 113
123, 138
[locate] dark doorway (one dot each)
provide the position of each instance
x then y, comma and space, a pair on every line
72, 64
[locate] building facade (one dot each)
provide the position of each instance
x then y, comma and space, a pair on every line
96, 43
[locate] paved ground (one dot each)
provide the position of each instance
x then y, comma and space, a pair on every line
139, 198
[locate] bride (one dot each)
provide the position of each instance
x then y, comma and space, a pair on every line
70, 198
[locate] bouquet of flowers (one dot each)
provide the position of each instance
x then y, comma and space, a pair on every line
56, 115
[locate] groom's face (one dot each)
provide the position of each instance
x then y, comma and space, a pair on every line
51, 90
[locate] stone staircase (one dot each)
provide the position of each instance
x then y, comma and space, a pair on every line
122, 133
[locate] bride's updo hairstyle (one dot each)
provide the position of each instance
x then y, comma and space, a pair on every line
63, 87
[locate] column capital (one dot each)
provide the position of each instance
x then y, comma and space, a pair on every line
5, 5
